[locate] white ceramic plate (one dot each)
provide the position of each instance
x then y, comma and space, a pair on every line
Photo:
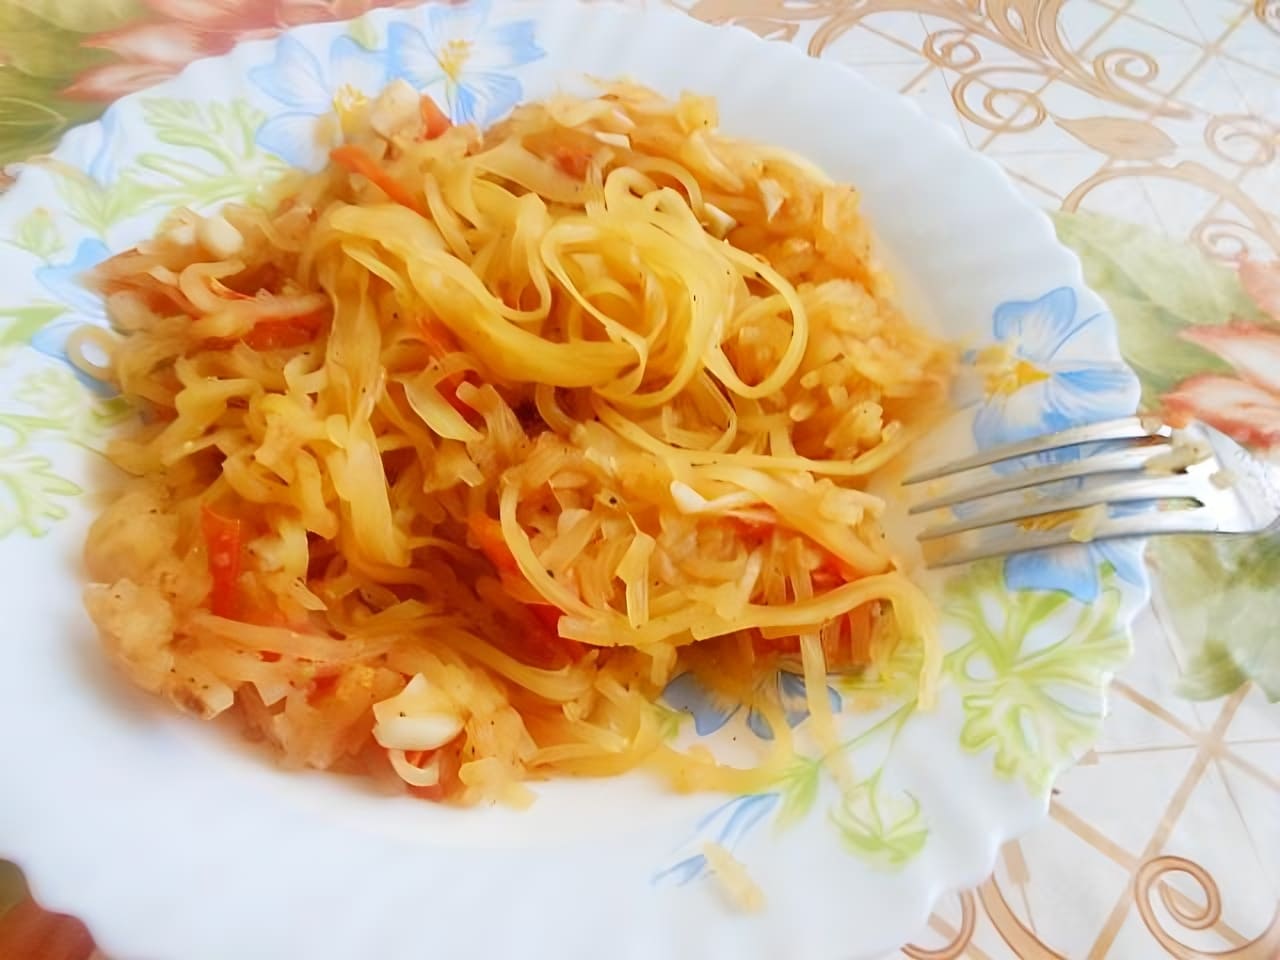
176, 843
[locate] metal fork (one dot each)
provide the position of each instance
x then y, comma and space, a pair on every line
1141, 478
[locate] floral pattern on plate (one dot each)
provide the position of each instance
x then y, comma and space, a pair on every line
472, 60
1024, 669
458, 56
1022, 664
710, 711
305, 86
1043, 375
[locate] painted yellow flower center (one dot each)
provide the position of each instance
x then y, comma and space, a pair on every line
348, 103
454, 57
1006, 374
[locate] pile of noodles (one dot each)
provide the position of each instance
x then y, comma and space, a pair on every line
458, 451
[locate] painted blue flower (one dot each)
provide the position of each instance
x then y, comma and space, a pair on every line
458, 48
1076, 569
711, 711
307, 88
63, 281
726, 825
1048, 376
106, 158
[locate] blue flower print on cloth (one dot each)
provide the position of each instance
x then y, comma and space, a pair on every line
459, 49
64, 282
1048, 377
307, 88
711, 711
726, 825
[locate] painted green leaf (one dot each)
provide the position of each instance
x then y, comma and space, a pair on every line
668, 721
897, 678
1222, 594
1033, 708
1155, 287
97, 207
38, 234
222, 130
62, 405
235, 124
885, 829
31, 494
363, 32
182, 123
799, 789
234, 168
19, 324
85, 16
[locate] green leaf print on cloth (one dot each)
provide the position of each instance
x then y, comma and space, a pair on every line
44, 50
1222, 594
1156, 287
1205, 338
83, 16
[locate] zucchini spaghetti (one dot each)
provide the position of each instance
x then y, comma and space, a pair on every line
456, 452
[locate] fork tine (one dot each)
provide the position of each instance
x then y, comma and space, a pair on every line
1127, 490
1126, 428
942, 553
1117, 461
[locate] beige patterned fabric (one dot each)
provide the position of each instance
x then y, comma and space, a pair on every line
1165, 113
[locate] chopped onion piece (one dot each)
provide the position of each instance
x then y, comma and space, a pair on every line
773, 195
743, 892
419, 717
427, 775
633, 570
428, 731
1185, 451
183, 233
689, 501
395, 108
719, 223
614, 139
218, 237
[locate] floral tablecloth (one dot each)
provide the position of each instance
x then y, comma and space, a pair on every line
1151, 130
